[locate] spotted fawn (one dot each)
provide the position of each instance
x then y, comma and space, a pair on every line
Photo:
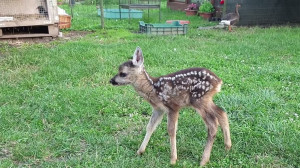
194, 87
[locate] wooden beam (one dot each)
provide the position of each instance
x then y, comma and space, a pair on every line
24, 36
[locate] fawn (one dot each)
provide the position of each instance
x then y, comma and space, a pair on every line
193, 87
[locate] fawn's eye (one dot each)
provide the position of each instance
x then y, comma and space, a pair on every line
123, 74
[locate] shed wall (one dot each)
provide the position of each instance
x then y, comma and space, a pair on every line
265, 12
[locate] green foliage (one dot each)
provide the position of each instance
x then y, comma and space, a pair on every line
57, 108
206, 7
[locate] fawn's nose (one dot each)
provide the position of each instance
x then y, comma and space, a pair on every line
113, 82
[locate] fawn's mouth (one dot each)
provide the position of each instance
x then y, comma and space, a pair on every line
113, 82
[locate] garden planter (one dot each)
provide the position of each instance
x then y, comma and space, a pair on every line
206, 15
64, 21
191, 12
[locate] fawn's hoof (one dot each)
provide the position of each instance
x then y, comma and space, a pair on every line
173, 161
203, 162
140, 152
227, 147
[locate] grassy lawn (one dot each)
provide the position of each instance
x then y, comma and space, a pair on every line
57, 108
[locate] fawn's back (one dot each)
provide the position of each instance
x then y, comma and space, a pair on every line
185, 86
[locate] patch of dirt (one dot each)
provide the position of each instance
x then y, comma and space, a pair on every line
5, 153
70, 35
6, 150
74, 34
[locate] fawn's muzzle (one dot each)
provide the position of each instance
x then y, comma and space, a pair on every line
113, 81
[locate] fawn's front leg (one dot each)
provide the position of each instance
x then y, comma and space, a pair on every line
155, 120
172, 128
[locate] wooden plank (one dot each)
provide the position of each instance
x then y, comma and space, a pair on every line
24, 35
5, 19
26, 23
1, 32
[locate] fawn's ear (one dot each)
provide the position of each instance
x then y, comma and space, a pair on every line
138, 58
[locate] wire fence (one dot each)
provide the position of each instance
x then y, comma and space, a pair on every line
86, 13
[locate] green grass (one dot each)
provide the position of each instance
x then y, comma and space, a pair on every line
57, 108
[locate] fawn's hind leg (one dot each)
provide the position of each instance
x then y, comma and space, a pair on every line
212, 128
155, 120
211, 122
223, 121
212, 115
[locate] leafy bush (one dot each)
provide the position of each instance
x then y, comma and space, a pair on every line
206, 7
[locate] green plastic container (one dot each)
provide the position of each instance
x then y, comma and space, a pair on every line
163, 29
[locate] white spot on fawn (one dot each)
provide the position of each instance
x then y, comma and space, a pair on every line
184, 83
164, 94
198, 85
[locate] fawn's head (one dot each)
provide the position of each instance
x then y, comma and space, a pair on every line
129, 71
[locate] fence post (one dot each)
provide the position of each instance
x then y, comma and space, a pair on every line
102, 14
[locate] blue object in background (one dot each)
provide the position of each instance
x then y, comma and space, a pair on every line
115, 13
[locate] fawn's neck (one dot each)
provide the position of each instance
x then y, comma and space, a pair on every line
144, 86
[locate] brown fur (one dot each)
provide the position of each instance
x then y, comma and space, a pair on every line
193, 87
